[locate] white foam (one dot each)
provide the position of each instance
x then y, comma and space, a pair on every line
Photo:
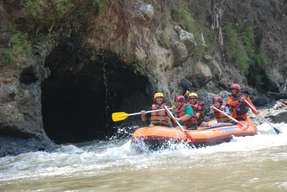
103, 157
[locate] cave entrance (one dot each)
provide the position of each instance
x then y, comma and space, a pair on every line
83, 90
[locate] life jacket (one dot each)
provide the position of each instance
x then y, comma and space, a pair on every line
239, 108
219, 116
198, 107
180, 112
160, 117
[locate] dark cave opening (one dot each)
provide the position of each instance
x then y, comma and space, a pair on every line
83, 90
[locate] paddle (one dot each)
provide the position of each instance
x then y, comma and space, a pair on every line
253, 109
178, 124
120, 116
230, 117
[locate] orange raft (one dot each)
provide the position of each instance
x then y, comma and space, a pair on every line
158, 137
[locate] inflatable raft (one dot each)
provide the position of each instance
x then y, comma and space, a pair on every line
158, 137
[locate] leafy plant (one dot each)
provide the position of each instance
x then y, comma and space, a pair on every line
164, 40
47, 12
241, 49
19, 48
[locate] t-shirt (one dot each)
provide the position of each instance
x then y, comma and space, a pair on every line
188, 110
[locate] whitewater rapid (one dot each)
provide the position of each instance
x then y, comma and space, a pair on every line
100, 158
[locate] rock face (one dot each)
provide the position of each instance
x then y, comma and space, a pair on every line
152, 45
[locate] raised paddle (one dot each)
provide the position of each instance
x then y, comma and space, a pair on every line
230, 117
120, 116
253, 109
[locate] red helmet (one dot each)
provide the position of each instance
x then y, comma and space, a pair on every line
179, 99
235, 86
217, 99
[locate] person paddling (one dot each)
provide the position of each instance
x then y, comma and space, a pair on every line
237, 103
159, 118
198, 108
184, 113
217, 102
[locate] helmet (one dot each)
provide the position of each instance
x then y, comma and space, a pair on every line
193, 94
235, 86
179, 99
158, 94
217, 99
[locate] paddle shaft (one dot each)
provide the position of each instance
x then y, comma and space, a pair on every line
230, 117
172, 116
151, 111
256, 114
252, 107
178, 124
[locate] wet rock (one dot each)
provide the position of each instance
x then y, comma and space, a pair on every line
261, 101
277, 95
11, 145
147, 10
142, 11
278, 113
278, 116
280, 104
185, 36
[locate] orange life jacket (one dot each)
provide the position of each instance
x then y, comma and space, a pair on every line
160, 117
180, 112
219, 116
236, 108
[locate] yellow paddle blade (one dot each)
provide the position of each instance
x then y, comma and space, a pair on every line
119, 116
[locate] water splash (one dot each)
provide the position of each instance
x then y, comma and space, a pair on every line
101, 157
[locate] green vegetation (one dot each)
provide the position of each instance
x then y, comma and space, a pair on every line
164, 40
241, 49
47, 12
100, 5
183, 16
235, 49
19, 48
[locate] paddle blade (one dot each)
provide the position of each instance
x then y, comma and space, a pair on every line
119, 116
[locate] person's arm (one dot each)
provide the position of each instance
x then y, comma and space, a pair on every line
143, 115
188, 113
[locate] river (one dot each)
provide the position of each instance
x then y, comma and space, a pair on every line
256, 163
